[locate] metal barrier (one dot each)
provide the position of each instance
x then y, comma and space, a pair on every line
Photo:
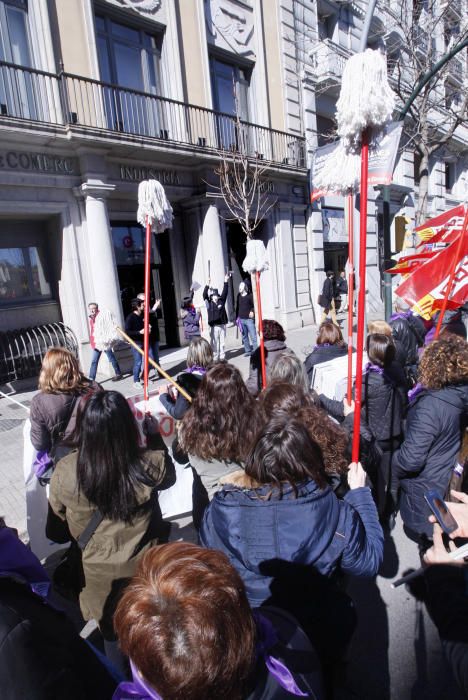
22, 350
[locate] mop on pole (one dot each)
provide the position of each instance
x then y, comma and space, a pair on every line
448, 291
364, 108
154, 212
256, 262
350, 273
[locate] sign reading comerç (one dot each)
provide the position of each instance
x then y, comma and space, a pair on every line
38, 162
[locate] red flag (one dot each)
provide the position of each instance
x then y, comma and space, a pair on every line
425, 288
453, 217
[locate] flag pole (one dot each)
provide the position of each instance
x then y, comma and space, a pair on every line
260, 329
350, 209
361, 294
456, 258
146, 311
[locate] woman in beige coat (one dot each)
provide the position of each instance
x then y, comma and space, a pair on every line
109, 473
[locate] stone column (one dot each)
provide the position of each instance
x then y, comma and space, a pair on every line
101, 257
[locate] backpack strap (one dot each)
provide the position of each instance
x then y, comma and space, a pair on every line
90, 529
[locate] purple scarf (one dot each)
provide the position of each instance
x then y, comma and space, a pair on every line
138, 689
374, 368
412, 393
324, 345
405, 314
195, 368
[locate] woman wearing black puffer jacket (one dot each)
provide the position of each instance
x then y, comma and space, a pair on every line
382, 409
436, 417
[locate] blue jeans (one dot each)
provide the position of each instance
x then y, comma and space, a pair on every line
95, 361
137, 363
249, 334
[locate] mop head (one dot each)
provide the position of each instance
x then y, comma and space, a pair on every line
256, 258
153, 206
366, 102
105, 330
366, 99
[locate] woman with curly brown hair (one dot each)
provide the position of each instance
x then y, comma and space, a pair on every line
436, 417
219, 427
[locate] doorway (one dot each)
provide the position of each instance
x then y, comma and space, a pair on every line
129, 247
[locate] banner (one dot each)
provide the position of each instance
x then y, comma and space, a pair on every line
381, 160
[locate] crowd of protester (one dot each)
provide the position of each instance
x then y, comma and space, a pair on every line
259, 607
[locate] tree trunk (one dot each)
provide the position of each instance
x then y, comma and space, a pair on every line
421, 212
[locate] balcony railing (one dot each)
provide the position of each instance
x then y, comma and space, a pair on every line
330, 60
71, 100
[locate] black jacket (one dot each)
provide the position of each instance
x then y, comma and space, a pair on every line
178, 408
328, 292
42, 657
429, 451
216, 312
383, 403
342, 285
323, 353
410, 332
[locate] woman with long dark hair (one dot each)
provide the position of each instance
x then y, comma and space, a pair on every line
110, 474
219, 427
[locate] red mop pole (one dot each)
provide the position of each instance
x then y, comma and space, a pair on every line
350, 294
260, 330
147, 306
452, 275
361, 295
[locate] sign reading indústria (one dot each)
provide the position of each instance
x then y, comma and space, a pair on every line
38, 162
136, 173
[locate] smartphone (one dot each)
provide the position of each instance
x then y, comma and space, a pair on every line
438, 506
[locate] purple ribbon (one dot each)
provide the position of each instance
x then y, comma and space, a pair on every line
266, 639
138, 689
239, 324
42, 463
195, 368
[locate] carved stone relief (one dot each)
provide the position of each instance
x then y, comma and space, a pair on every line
147, 7
229, 26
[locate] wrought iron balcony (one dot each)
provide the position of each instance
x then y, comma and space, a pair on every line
82, 103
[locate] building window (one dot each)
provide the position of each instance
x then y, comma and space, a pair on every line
128, 57
230, 85
15, 41
22, 275
450, 177
416, 165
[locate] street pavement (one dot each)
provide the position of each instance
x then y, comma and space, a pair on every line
395, 653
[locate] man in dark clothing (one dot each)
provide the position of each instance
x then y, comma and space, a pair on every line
134, 327
246, 316
328, 298
217, 317
342, 289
